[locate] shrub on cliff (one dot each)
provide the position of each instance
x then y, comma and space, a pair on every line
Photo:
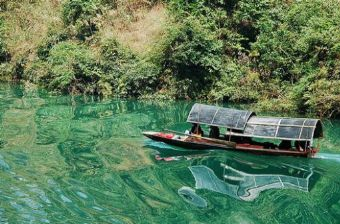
4, 54
301, 46
81, 15
70, 67
192, 51
128, 74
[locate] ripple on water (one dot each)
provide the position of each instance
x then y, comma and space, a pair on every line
3, 165
27, 207
70, 159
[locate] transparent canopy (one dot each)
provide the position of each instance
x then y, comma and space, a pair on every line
246, 123
302, 129
219, 116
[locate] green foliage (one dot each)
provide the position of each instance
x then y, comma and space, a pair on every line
73, 68
282, 105
306, 35
38, 72
70, 67
302, 46
44, 48
127, 73
3, 5
6, 71
323, 97
81, 14
193, 51
273, 52
139, 79
75, 10
237, 84
278, 55
249, 16
4, 54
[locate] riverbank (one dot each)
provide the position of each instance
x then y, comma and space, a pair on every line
276, 56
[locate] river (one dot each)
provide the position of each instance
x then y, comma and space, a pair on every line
67, 159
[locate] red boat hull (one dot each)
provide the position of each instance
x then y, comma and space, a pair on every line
200, 144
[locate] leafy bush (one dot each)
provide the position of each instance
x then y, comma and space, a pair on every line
82, 14
44, 48
323, 97
38, 72
139, 79
193, 52
6, 71
237, 84
73, 68
302, 47
225, 87
126, 72
4, 54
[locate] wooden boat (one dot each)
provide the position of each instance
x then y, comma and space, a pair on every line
199, 144
241, 128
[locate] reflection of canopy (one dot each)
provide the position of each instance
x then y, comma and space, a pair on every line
219, 116
245, 186
301, 129
190, 196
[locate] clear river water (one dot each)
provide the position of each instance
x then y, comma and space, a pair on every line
67, 159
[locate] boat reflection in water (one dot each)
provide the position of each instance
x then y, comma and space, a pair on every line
246, 179
242, 177
246, 186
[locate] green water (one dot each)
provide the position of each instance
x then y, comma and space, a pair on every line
82, 160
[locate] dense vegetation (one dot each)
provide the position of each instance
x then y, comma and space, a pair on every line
280, 55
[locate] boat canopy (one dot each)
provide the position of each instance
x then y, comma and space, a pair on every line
247, 124
299, 129
219, 116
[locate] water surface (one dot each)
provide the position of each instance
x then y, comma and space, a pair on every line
79, 159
